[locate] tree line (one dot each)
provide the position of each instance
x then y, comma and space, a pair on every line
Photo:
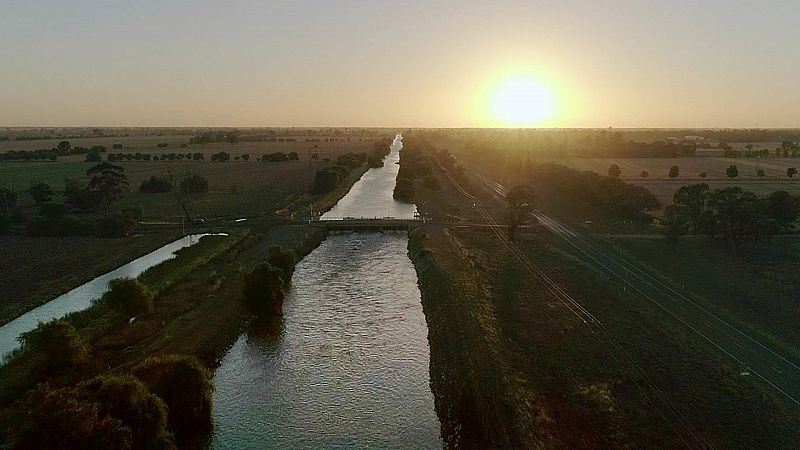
64, 148
607, 196
731, 214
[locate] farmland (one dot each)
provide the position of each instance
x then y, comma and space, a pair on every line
659, 183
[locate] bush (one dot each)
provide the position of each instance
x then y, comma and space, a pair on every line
263, 290
84, 200
58, 343
8, 200
129, 296
284, 260
60, 419
327, 179
120, 224
127, 400
155, 185
185, 386
404, 190
194, 184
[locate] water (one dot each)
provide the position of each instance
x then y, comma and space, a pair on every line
349, 368
82, 296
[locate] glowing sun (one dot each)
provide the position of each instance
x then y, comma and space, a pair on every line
522, 101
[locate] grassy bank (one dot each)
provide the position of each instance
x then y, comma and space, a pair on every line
197, 312
512, 367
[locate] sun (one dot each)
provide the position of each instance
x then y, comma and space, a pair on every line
523, 101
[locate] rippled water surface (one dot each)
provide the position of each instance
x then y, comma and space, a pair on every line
349, 368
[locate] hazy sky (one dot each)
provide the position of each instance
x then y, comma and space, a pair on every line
636, 63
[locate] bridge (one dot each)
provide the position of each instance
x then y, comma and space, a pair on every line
365, 223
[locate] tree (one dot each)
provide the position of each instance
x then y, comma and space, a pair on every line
264, 290
732, 172
108, 181
703, 174
644, 174
674, 171
8, 200
246, 157
127, 400
119, 224
790, 172
155, 185
520, 203
760, 173
783, 208
674, 224
194, 184
93, 155
57, 343
59, 418
614, 171
185, 386
693, 201
284, 260
41, 192
129, 296
64, 148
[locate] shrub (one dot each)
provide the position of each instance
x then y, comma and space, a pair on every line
59, 418
58, 343
284, 260
155, 185
8, 200
614, 171
185, 386
404, 190
263, 290
674, 171
129, 296
644, 174
119, 224
194, 184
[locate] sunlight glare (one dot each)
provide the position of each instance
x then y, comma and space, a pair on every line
523, 101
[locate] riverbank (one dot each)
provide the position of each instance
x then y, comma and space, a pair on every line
512, 367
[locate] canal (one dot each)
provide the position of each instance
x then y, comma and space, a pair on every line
349, 366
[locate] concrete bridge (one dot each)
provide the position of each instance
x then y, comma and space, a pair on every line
365, 223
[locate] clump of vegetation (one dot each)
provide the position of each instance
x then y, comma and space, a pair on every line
328, 179
607, 196
155, 185
520, 203
730, 213
194, 184
119, 224
404, 190
284, 260
279, 157
264, 290
57, 343
185, 386
128, 401
614, 171
129, 296
674, 171
352, 160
